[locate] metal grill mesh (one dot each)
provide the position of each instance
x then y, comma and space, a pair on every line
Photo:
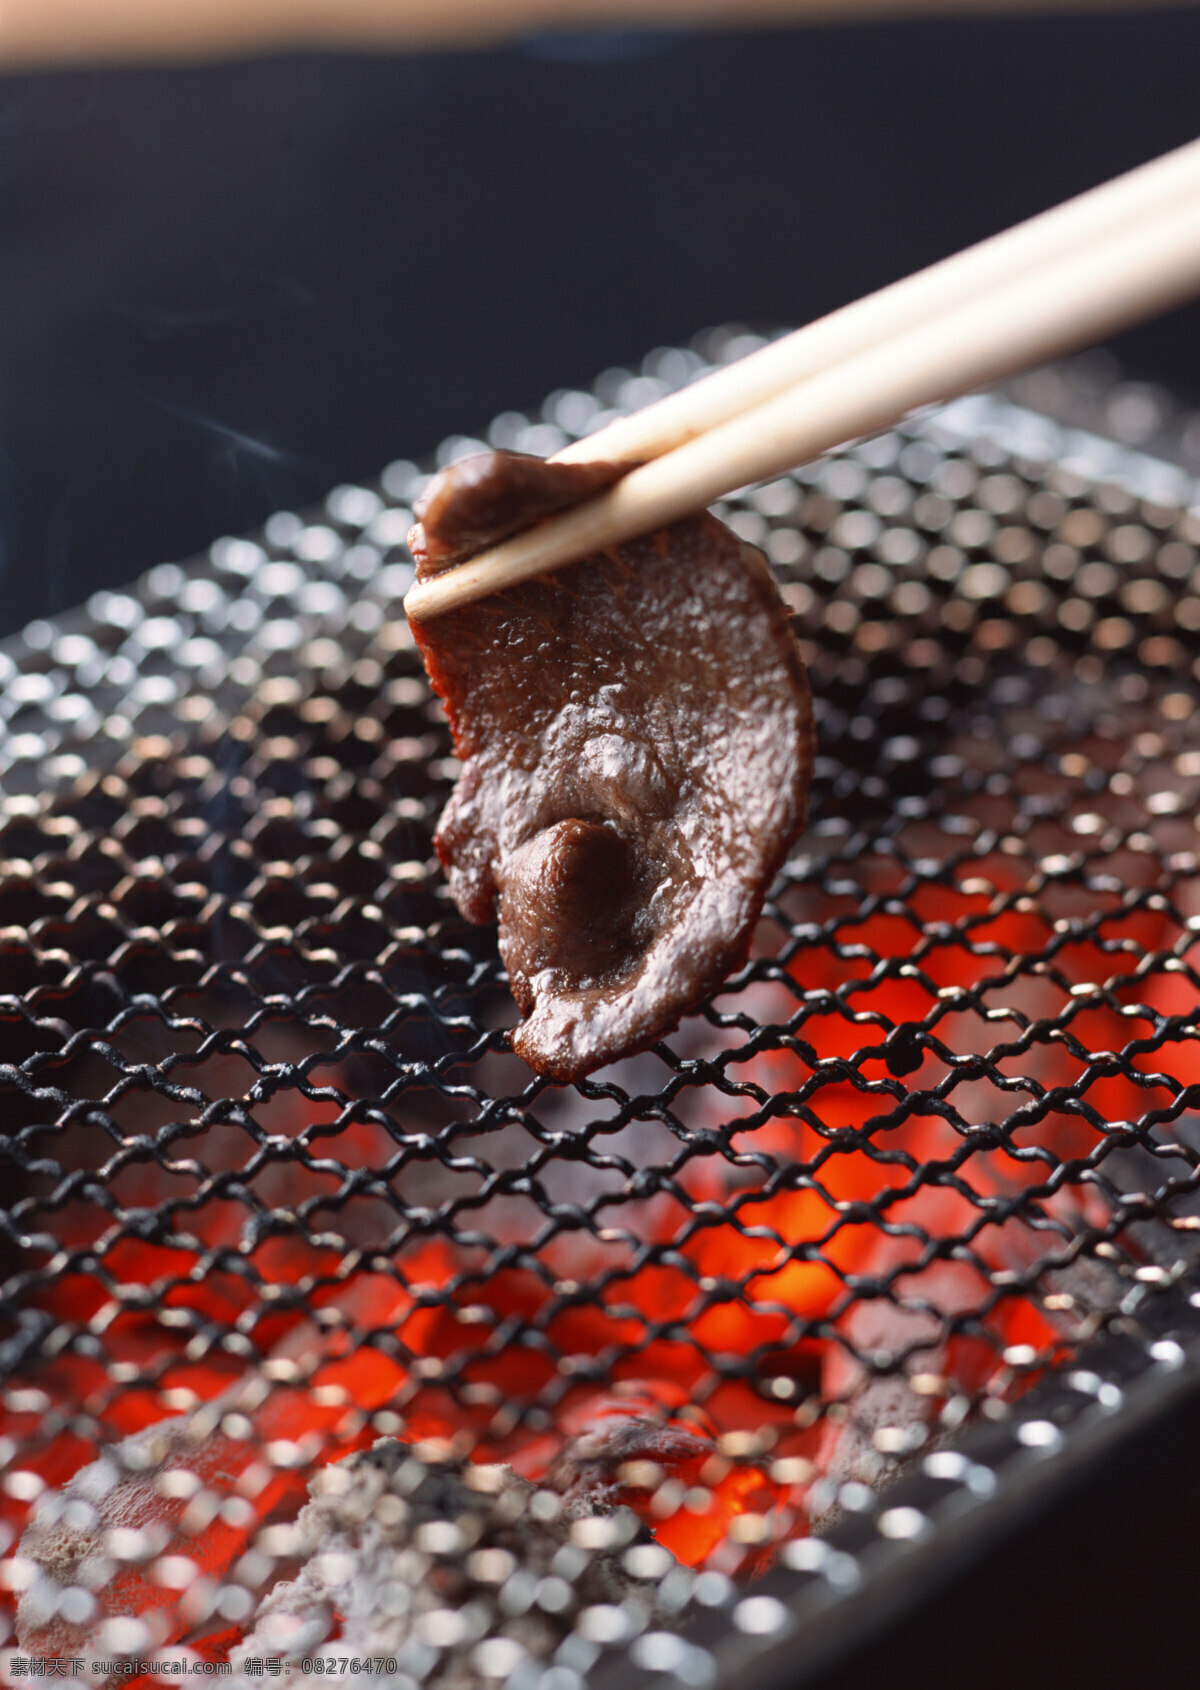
274, 1187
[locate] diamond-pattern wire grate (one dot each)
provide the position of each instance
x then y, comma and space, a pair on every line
276, 1187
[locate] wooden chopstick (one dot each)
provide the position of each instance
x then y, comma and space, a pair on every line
660, 427
50, 32
1138, 258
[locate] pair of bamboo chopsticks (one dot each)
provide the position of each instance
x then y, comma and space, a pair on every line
1047, 286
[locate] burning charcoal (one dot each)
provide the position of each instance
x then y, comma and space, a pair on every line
601, 1464
637, 744
885, 1411
445, 1566
671, 1475
97, 1536
885, 1419
176, 1491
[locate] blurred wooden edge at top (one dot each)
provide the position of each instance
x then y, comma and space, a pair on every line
45, 33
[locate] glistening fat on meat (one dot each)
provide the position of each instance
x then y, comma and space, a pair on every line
636, 738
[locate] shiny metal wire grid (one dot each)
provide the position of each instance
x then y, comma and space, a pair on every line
271, 1175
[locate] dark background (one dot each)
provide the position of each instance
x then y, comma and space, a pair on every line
224, 289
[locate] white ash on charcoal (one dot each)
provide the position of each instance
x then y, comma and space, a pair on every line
93, 1544
593, 1470
459, 1573
882, 1421
886, 1422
